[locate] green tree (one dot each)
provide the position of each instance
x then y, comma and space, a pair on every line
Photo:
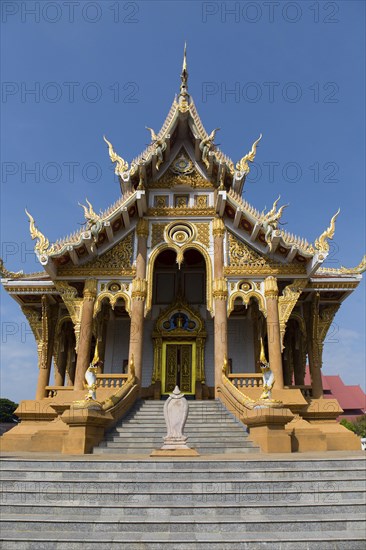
358, 426
7, 409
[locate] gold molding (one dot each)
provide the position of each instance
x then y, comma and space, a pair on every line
112, 297
358, 270
171, 211
157, 233
287, 302
270, 287
202, 233
218, 227
246, 297
289, 270
69, 296
139, 289
90, 290
171, 179
219, 288
142, 228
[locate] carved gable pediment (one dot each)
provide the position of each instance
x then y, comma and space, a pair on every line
116, 261
242, 258
181, 172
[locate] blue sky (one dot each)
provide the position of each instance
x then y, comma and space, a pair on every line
294, 71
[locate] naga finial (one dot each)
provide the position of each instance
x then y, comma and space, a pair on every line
358, 270
121, 164
321, 243
89, 214
154, 137
159, 147
42, 244
273, 209
271, 220
242, 165
206, 145
9, 274
94, 222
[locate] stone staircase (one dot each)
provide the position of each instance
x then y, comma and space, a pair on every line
257, 502
210, 428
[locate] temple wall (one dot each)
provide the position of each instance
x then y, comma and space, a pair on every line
240, 345
117, 345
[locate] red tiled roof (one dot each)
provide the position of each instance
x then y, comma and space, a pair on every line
349, 397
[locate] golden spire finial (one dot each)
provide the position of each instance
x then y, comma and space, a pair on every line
184, 74
321, 243
184, 68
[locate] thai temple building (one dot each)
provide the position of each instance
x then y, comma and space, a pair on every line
182, 283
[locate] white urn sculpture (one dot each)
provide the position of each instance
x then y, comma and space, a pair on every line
175, 414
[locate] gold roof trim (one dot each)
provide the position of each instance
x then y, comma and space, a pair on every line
75, 238
288, 238
358, 270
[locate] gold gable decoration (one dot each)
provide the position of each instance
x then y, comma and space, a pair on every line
243, 258
116, 261
181, 172
241, 255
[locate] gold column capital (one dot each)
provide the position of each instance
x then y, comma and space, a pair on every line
142, 228
219, 288
90, 289
270, 287
139, 289
218, 227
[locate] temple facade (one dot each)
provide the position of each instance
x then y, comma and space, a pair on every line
180, 282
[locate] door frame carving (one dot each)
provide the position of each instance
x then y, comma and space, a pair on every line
191, 343
181, 324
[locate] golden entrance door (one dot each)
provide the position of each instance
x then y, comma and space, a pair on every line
178, 367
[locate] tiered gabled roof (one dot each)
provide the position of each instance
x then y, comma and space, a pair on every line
184, 130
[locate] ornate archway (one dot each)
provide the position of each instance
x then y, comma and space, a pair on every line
191, 245
179, 343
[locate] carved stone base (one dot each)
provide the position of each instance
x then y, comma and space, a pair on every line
86, 429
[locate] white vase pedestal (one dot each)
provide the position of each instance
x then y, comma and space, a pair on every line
175, 414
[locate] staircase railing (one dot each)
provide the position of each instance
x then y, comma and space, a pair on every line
241, 380
111, 380
234, 399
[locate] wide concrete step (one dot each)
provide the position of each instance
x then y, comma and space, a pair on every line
288, 540
13, 522
261, 463
146, 451
183, 486
242, 508
124, 498
201, 440
322, 478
